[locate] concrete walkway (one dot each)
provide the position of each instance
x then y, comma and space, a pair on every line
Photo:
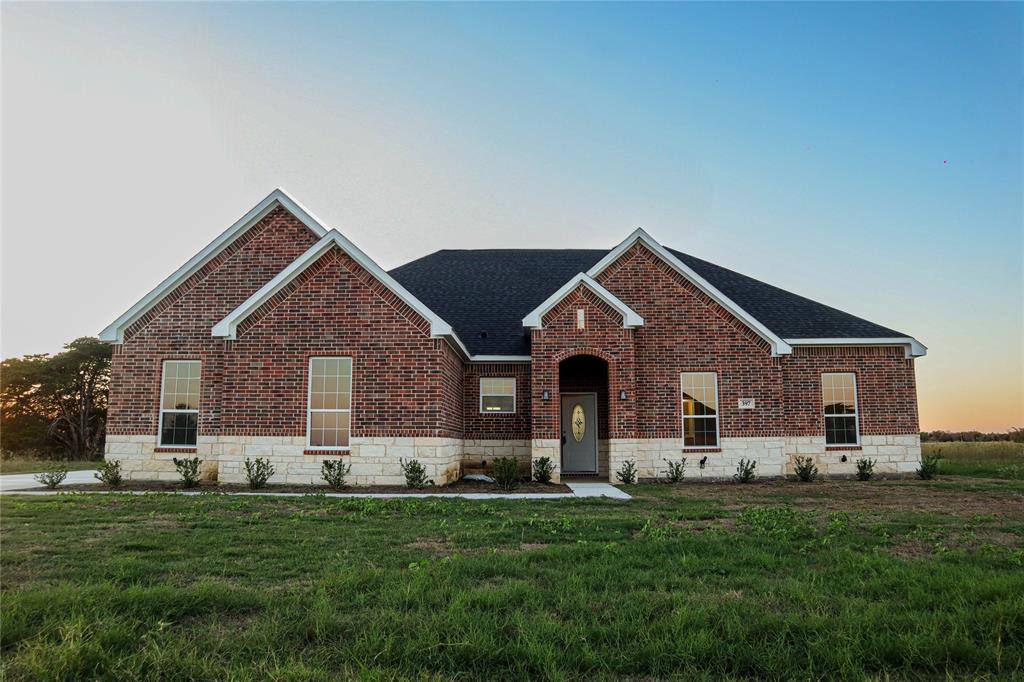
20, 481
17, 483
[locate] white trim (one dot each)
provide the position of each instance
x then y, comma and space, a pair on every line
114, 332
227, 327
915, 348
716, 417
500, 358
629, 317
160, 417
515, 388
856, 410
779, 346
309, 403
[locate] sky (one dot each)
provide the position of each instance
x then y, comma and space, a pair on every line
868, 156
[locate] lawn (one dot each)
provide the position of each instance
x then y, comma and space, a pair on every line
770, 580
992, 459
20, 465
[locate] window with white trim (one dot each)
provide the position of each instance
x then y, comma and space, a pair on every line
839, 403
497, 395
179, 403
700, 409
329, 411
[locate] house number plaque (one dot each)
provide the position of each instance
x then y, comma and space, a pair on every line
579, 422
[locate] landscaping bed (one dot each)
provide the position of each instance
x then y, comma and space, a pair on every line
213, 487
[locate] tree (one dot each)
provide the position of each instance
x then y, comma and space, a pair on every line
57, 401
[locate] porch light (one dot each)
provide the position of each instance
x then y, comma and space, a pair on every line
622, 395
545, 396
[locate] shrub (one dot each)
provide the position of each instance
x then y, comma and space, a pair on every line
52, 475
506, 473
627, 474
745, 471
865, 469
188, 469
806, 470
258, 472
110, 472
334, 472
415, 473
676, 469
929, 466
543, 469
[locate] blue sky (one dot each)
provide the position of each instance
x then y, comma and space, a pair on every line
865, 155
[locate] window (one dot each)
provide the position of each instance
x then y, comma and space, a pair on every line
839, 401
497, 395
179, 403
700, 409
330, 403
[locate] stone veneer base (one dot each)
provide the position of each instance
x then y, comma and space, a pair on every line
376, 461
895, 454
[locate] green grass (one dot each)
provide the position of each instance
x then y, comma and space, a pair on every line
992, 459
20, 465
772, 580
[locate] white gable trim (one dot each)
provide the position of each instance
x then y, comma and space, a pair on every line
629, 317
115, 331
779, 346
914, 348
227, 327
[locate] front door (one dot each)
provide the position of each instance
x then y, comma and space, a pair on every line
579, 433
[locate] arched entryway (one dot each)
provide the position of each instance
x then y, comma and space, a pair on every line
583, 410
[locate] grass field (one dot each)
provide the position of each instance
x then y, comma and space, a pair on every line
20, 465
770, 580
994, 459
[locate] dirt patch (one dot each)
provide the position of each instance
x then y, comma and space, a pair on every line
911, 548
213, 487
855, 496
433, 546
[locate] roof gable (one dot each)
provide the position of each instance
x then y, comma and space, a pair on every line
779, 346
630, 318
114, 332
228, 326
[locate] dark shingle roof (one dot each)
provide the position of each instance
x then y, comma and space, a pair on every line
485, 294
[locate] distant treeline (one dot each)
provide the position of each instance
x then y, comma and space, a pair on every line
1014, 434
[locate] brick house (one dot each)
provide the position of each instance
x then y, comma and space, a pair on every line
282, 340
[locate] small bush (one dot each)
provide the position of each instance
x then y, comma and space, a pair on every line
415, 473
110, 472
334, 472
929, 467
258, 472
52, 475
676, 470
806, 470
505, 471
865, 469
188, 469
627, 474
543, 469
745, 471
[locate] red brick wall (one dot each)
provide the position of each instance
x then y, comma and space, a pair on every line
497, 426
604, 337
400, 376
686, 331
886, 389
179, 326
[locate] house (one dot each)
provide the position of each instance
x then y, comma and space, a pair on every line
283, 340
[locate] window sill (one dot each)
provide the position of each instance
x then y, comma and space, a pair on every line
191, 450
695, 450
840, 448
321, 451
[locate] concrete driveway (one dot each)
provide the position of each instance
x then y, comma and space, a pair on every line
22, 481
